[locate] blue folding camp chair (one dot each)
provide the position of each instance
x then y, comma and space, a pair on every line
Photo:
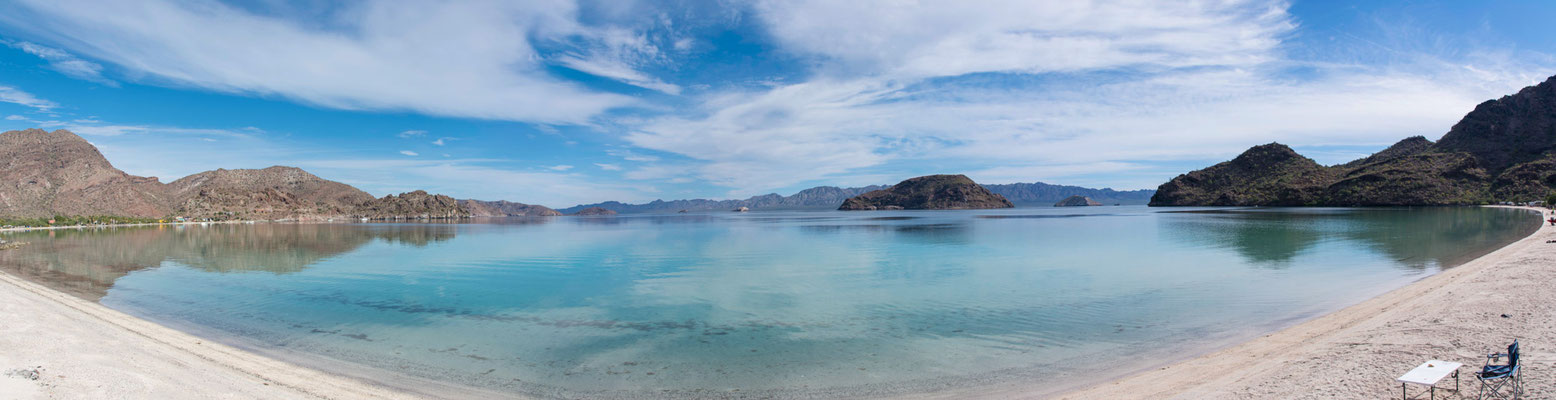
1494, 378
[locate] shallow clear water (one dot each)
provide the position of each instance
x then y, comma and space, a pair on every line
779, 303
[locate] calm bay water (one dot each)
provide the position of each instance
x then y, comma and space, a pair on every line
766, 303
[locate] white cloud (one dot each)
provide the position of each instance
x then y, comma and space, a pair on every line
16, 118
17, 96
412, 133
928, 39
443, 141
560, 167
65, 63
464, 59
98, 129
608, 167
409, 153
630, 155
619, 71
1078, 88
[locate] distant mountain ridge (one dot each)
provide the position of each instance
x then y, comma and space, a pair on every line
830, 197
821, 197
1503, 150
1043, 194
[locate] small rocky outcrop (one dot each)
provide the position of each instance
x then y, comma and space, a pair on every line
594, 211
933, 192
413, 205
504, 208
1077, 201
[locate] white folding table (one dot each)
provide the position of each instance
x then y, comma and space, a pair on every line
1428, 374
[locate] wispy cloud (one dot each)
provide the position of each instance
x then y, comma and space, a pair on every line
433, 58
443, 141
412, 133
608, 167
618, 71
99, 129
629, 155
560, 167
65, 63
17, 96
409, 153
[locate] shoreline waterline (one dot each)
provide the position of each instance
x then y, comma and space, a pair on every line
974, 391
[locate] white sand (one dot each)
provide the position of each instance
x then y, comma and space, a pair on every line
82, 350
1356, 353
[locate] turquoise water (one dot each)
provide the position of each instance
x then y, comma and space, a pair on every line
764, 304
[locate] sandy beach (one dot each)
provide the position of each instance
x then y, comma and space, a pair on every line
1356, 353
59, 346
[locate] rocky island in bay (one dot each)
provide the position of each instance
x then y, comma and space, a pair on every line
1077, 201
933, 192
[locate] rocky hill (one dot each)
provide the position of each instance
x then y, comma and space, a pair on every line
271, 193
44, 174
412, 205
503, 208
1077, 201
1503, 150
1270, 174
933, 192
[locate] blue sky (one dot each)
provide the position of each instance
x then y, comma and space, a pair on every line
561, 102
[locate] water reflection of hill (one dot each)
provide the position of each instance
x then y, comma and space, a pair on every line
85, 263
1415, 238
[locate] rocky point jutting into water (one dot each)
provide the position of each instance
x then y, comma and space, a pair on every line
1504, 150
933, 192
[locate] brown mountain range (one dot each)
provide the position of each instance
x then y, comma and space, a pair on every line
44, 174
1503, 150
